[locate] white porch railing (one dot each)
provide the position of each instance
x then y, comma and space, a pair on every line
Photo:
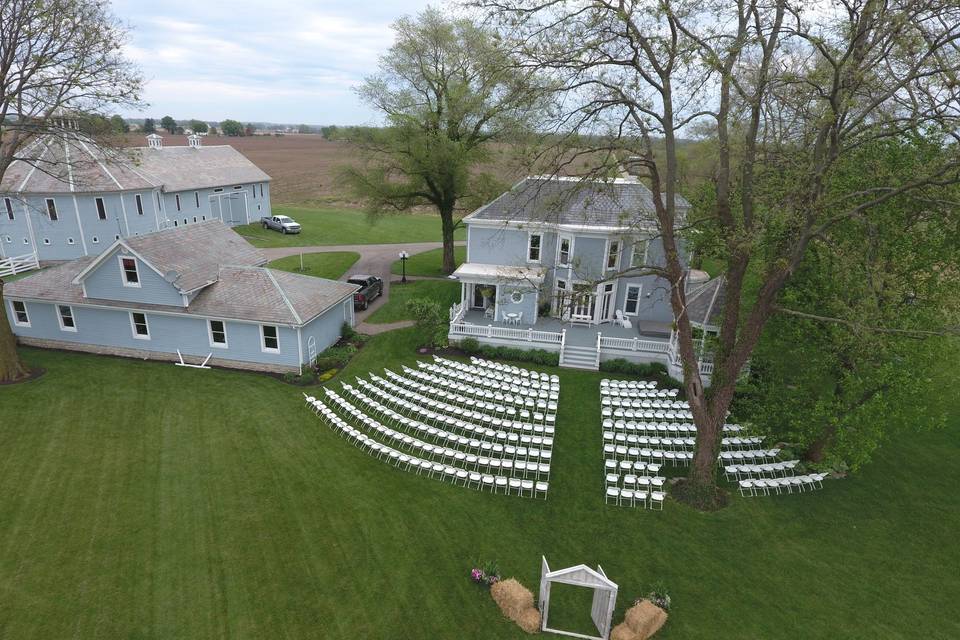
457, 311
18, 264
632, 344
465, 329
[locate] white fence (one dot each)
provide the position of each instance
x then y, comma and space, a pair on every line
633, 344
465, 329
18, 264
457, 311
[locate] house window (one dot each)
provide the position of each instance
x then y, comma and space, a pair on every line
239, 186
95, 240
52, 209
69, 240
9, 206
196, 196
639, 257
175, 223
194, 218
116, 237
46, 241
101, 209
65, 316
139, 204
25, 241
218, 190
534, 240
20, 317
138, 321
177, 198
516, 297
563, 251
261, 189
158, 201
613, 254
131, 278
269, 338
253, 190
631, 303
9, 239
218, 333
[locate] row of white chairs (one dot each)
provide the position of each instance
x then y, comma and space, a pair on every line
676, 443
640, 403
503, 377
754, 456
491, 462
634, 481
493, 365
500, 453
441, 414
635, 498
547, 408
655, 428
483, 382
489, 415
647, 415
455, 475
639, 467
766, 486
607, 383
767, 470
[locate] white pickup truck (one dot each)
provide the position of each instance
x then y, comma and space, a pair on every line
283, 224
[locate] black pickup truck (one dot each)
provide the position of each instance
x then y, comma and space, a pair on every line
370, 288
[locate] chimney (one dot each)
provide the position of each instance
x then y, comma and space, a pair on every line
154, 141
194, 140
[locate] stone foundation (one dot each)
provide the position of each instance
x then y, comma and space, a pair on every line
143, 354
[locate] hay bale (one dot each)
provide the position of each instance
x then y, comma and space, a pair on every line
622, 632
645, 619
516, 603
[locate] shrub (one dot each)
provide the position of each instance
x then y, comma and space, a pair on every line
347, 333
308, 377
430, 320
470, 345
535, 356
336, 357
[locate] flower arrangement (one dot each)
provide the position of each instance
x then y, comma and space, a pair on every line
658, 595
487, 573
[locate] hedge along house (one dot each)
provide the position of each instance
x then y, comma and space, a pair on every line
200, 289
556, 263
65, 197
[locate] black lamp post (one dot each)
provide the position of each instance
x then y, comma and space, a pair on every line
403, 265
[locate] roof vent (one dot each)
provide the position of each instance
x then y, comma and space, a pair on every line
154, 141
194, 140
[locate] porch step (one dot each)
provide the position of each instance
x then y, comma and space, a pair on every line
575, 357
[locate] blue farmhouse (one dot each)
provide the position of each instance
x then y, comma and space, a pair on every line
200, 290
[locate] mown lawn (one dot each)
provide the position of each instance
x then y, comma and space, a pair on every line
326, 226
428, 263
329, 265
143, 500
395, 309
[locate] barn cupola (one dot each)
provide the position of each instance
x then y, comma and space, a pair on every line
154, 141
194, 140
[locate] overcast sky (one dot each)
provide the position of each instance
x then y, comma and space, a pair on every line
281, 61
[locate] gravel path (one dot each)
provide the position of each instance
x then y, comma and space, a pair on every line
375, 260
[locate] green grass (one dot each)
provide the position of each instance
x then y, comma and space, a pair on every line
330, 265
395, 309
428, 263
235, 512
326, 226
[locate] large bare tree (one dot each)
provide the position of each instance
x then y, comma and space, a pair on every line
58, 59
785, 90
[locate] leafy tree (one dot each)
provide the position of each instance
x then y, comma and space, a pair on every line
329, 131
304, 128
787, 91
149, 126
169, 124
213, 131
199, 126
249, 130
231, 128
448, 89
56, 57
118, 124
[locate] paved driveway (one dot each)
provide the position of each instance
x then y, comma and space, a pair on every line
375, 260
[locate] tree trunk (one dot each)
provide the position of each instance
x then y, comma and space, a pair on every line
446, 218
11, 368
818, 448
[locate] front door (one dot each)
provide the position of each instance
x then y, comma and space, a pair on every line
478, 301
584, 303
607, 298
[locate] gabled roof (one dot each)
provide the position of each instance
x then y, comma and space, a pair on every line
582, 575
75, 164
251, 293
619, 204
495, 273
189, 257
705, 303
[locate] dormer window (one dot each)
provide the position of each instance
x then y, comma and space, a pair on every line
131, 276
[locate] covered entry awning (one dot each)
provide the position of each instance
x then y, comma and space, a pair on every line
476, 272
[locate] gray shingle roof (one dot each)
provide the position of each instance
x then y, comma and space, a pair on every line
569, 201
195, 252
55, 165
705, 303
250, 293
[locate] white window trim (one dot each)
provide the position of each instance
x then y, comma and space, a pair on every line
226, 340
517, 293
64, 327
626, 296
123, 271
530, 235
633, 254
616, 261
560, 238
263, 343
133, 326
13, 312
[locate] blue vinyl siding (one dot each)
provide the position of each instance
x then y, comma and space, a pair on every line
501, 245
527, 306
111, 328
106, 282
325, 328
